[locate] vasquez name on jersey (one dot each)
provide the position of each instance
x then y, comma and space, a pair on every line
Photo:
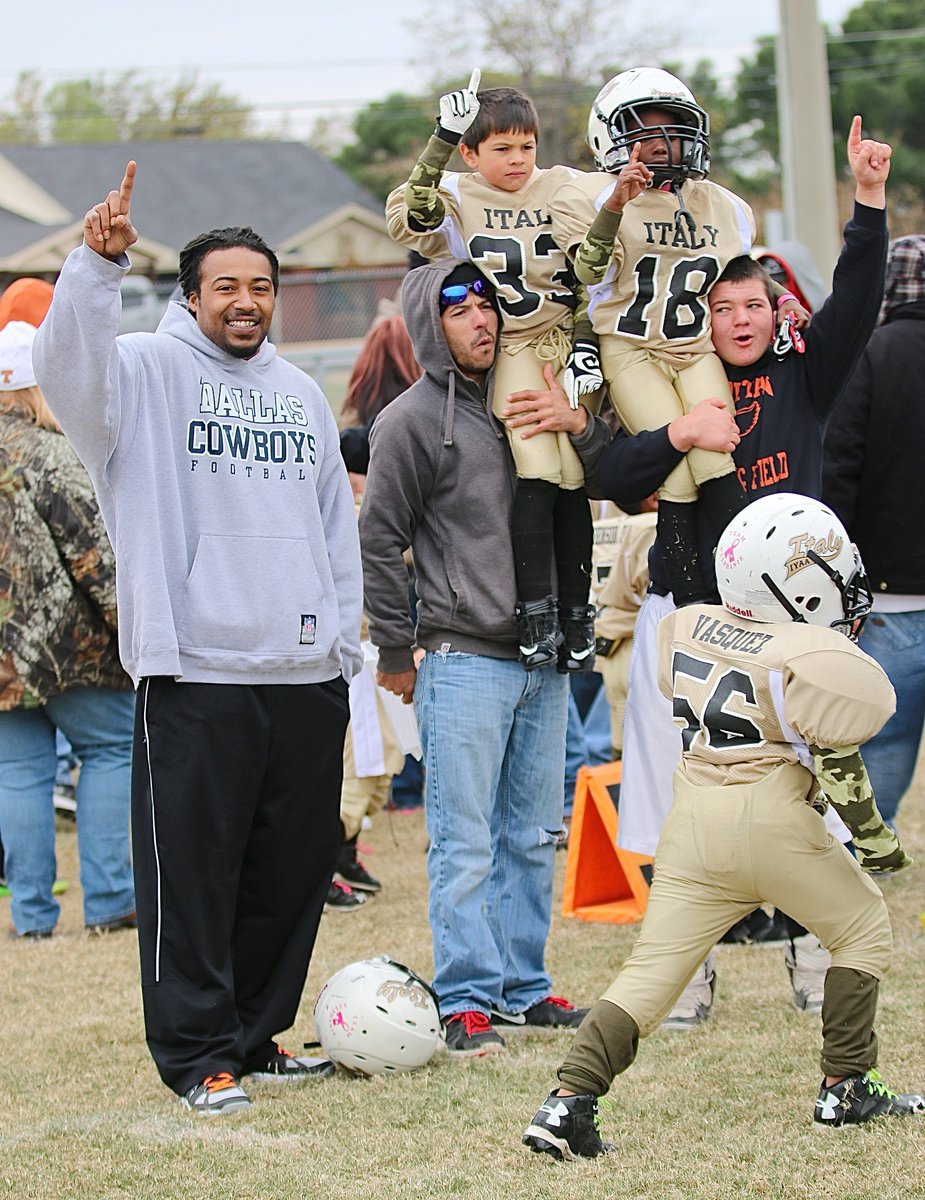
748, 696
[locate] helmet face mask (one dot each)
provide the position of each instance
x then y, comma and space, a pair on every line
616, 124
787, 557
377, 1017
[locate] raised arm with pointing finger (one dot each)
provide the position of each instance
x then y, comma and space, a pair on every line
108, 227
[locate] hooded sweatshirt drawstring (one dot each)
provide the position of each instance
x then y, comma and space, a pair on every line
450, 408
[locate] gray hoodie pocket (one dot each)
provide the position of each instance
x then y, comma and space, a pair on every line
256, 595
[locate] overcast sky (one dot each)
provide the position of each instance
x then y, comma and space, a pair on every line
301, 59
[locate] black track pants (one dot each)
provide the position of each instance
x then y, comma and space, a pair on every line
235, 829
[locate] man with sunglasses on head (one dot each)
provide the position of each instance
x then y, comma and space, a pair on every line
441, 480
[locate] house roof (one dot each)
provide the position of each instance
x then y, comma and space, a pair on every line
182, 188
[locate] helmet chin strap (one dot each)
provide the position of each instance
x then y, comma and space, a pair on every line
795, 614
682, 212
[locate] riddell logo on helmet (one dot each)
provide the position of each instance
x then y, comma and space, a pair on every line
828, 547
739, 612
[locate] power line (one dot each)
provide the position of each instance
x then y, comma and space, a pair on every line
315, 64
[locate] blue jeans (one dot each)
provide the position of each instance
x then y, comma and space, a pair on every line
493, 737
98, 724
407, 791
897, 642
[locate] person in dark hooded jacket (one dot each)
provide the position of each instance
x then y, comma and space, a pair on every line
871, 477
441, 480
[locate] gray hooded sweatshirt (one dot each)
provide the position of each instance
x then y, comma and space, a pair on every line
441, 480
222, 487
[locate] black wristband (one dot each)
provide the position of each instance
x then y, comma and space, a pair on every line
447, 135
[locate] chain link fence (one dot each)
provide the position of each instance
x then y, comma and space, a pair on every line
333, 305
322, 317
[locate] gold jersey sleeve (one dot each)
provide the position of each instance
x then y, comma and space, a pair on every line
654, 291
837, 696
575, 205
620, 571
748, 696
508, 235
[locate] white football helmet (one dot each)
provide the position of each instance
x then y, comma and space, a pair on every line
614, 124
377, 1018
789, 558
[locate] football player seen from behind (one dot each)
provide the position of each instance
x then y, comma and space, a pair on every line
773, 701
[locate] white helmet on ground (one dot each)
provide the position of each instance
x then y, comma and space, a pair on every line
789, 558
377, 1018
614, 123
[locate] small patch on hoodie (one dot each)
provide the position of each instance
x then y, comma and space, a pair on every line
307, 636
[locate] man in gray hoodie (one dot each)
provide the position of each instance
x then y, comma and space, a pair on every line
441, 480
218, 472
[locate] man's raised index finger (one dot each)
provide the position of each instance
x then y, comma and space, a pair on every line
128, 182
854, 133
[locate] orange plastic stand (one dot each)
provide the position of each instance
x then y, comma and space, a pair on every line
602, 882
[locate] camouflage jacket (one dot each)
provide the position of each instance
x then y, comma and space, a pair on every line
57, 572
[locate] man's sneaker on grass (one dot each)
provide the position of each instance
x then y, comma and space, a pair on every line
470, 1035
216, 1096
807, 962
861, 1098
129, 921
694, 1004
552, 1013
352, 872
567, 1127
343, 899
283, 1066
31, 935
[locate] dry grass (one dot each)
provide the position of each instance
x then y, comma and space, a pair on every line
721, 1112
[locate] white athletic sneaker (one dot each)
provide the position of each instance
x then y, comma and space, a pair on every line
807, 963
216, 1096
694, 1004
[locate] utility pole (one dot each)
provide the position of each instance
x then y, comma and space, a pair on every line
805, 112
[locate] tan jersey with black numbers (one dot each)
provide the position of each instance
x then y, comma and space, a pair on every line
652, 291
748, 696
508, 237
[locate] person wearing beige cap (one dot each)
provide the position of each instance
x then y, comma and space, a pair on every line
59, 664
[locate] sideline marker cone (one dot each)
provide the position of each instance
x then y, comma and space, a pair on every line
602, 882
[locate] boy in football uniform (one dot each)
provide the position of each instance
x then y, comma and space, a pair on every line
497, 216
659, 241
769, 693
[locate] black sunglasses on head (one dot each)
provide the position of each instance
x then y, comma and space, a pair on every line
456, 293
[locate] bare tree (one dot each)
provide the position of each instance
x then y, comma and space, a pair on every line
558, 51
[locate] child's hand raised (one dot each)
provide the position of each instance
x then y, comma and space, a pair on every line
460, 108
631, 182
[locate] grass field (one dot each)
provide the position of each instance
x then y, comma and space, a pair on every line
725, 1111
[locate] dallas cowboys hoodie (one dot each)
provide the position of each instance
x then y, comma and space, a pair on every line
222, 487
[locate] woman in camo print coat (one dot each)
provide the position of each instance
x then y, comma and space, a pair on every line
59, 664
